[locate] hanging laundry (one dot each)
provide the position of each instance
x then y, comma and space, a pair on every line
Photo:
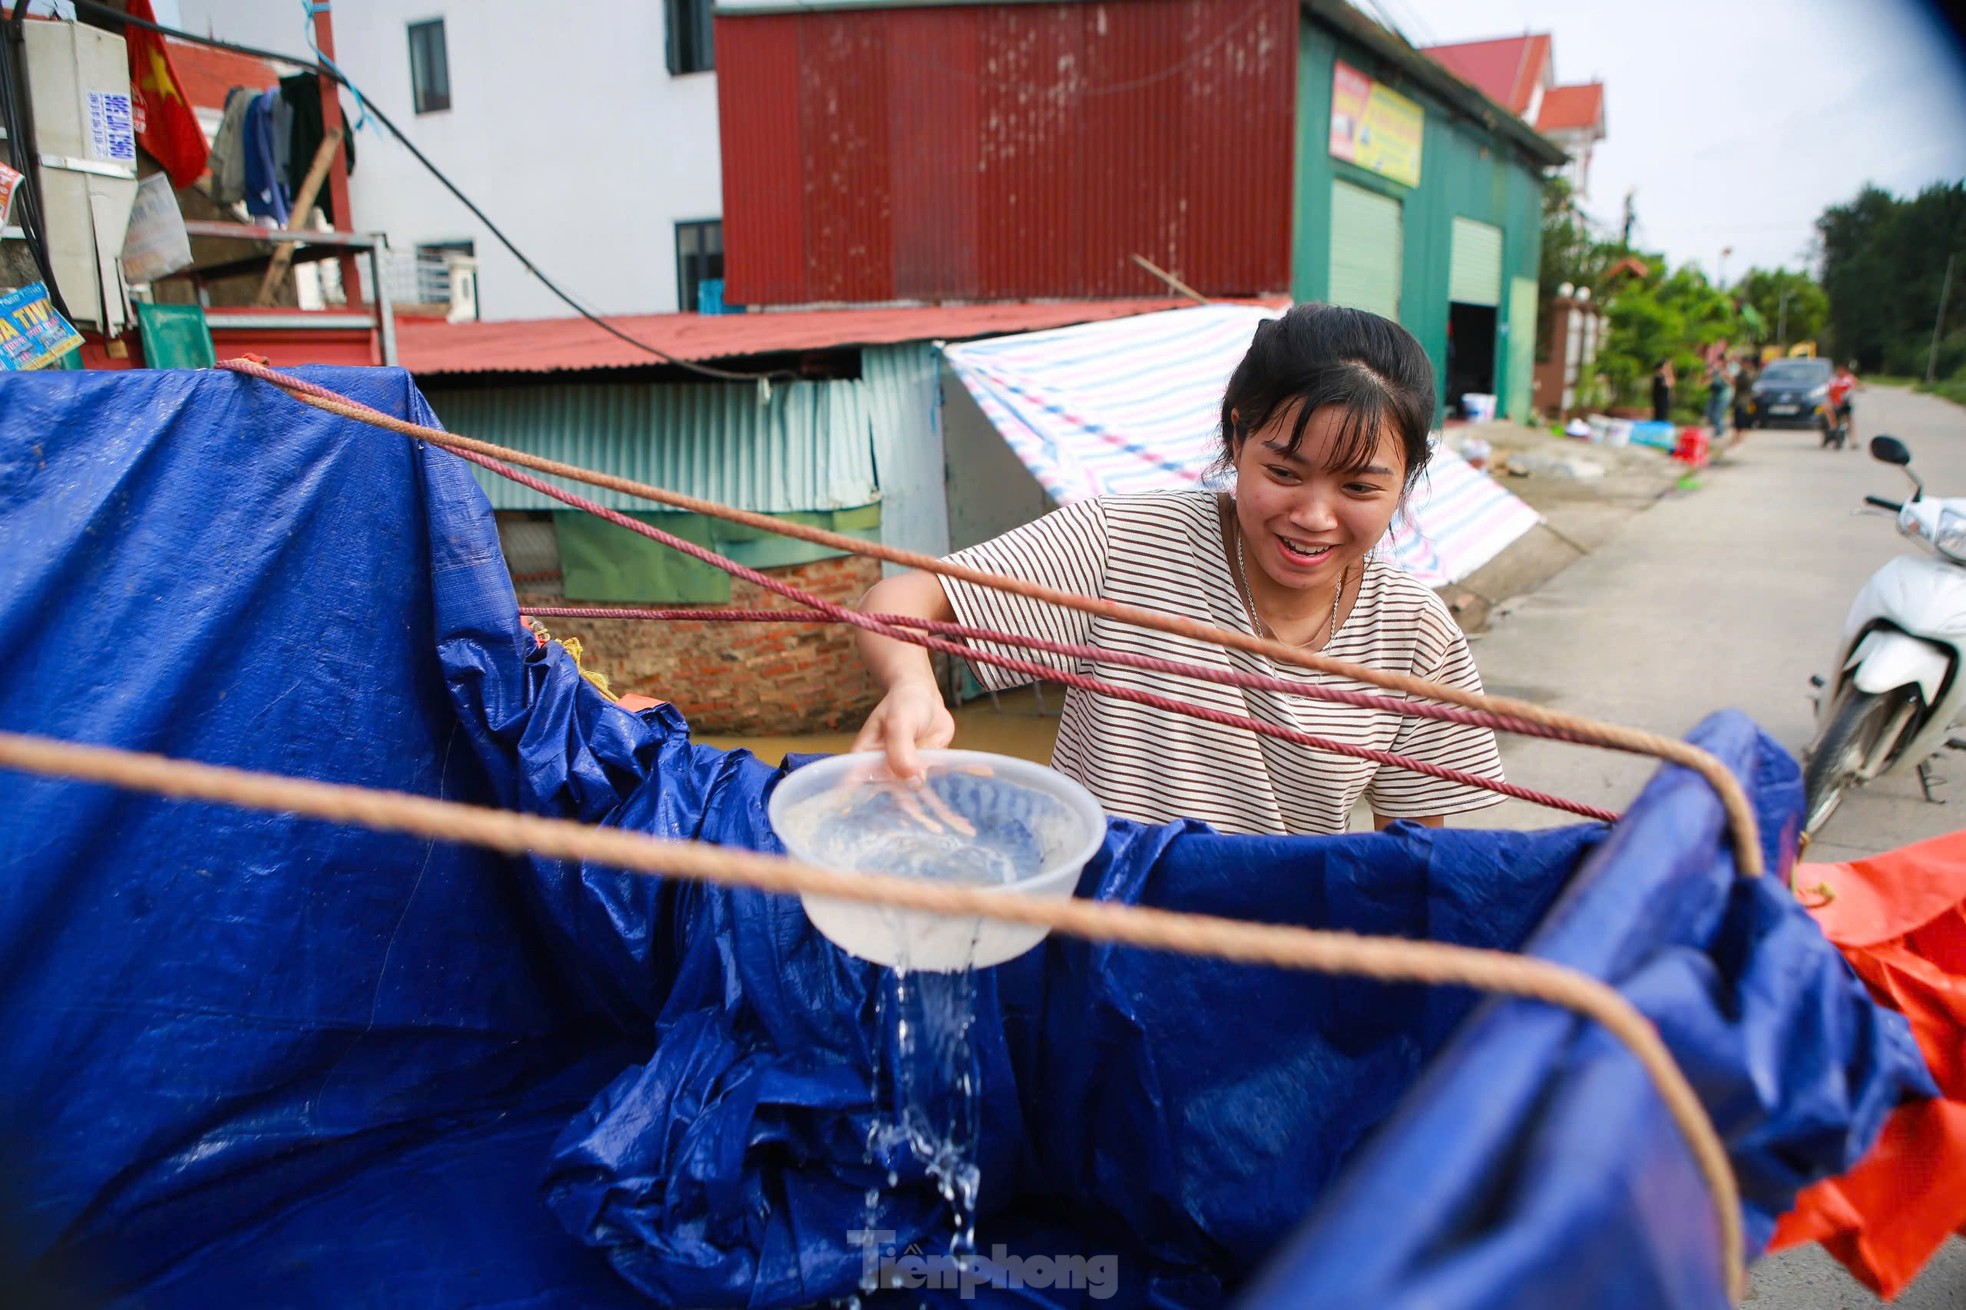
268, 123
165, 125
228, 160
302, 92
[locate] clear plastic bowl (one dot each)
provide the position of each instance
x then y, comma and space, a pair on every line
979, 819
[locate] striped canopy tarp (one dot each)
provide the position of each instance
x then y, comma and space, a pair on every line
1133, 404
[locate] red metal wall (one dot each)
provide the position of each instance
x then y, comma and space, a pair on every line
1007, 151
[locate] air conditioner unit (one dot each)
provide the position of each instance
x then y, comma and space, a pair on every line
79, 83
463, 270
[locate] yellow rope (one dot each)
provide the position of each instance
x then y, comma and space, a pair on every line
1742, 824
1385, 959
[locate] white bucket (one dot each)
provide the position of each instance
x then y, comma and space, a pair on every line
1479, 407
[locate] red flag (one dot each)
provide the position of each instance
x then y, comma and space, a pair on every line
165, 125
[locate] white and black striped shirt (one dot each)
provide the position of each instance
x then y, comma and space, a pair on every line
1163, 551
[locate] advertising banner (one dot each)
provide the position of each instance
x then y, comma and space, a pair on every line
1374, 126
32, 334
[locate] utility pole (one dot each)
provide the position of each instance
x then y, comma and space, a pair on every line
1938, 321
1724, 252
1782, 320
1630, 217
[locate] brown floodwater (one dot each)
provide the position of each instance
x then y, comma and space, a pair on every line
1015, 725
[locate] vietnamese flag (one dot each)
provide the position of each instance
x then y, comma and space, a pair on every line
165, 125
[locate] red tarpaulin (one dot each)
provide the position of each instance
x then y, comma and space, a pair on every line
1900, 919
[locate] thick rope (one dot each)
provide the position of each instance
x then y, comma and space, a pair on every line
1384, 959
822, 611
1743, 826
1028, 669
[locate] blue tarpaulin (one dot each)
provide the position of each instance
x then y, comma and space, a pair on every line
253, 1059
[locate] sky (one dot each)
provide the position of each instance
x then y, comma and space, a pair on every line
1737, 122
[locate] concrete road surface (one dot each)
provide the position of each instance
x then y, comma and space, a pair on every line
1732, 595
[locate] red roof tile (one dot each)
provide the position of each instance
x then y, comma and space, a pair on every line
206, 74
1505, 69
427, 346
1571, 108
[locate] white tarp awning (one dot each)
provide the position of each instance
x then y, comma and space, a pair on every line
1134, 404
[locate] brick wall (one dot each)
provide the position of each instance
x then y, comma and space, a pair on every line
747, 678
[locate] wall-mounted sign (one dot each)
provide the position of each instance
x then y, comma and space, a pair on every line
1375, 127
9, 179
32, 334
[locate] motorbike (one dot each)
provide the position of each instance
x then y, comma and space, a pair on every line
1897, 693
1835, 426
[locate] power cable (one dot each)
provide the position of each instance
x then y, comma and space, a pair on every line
97, 9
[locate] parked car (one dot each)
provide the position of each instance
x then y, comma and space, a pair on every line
1789, 391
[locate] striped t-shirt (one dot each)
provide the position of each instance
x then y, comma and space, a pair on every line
1163, 551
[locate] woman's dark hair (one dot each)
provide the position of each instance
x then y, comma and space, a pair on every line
1324, 356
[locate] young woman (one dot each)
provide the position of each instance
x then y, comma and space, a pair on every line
1324, 425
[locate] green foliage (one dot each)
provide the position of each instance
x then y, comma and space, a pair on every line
1884, 260
1664, 316
1768, 289
1570, 254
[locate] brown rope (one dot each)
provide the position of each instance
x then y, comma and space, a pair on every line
1744, 828
1385, 959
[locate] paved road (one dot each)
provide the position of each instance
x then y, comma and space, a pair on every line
1732, 595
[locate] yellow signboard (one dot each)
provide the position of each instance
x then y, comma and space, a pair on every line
1375, 127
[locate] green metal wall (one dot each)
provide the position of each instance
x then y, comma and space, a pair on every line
1464, 170
807, 446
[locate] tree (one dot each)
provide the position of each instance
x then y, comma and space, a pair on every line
1791, 305
1663, 315
1570, 255
1883, 262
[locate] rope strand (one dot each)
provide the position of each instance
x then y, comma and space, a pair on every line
1384, 959
1743, 827
869, 623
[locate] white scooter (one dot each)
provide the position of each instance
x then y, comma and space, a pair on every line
1898, 692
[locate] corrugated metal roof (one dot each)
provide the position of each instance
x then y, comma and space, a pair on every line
429, 346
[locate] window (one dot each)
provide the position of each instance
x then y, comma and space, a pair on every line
699, 259
689, 36
430, 68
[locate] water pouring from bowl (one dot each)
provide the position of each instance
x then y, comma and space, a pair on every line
975, 818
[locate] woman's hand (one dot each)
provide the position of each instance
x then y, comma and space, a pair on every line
910, 718
911, 715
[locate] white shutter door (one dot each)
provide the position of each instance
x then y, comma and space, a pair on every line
1475, 276
1366, 249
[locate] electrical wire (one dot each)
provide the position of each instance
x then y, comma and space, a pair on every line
96, 9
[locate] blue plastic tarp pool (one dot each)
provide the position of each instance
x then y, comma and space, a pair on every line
255, 1059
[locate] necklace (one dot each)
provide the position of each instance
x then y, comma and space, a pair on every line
1249, 598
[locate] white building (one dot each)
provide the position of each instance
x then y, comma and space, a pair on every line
602, 109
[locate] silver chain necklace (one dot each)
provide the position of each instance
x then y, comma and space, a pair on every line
1249, 598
